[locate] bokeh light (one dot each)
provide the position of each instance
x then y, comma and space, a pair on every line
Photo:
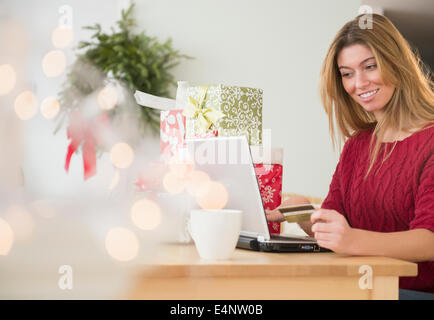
8, 79
62, 36
146, 214
180, 167
14, 37
6, 237
173, 183
121, 155
54, 63
215, 197
108, 97
26, 105
21, 221
121, 244
50, 107
197, 183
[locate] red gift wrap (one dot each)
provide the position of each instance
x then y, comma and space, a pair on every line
269, 171
172, 133
270, 184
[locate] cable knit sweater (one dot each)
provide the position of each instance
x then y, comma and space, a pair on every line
399, 197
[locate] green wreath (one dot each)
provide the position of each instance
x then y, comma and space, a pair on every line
136, 61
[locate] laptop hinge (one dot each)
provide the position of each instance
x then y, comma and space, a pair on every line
261, 239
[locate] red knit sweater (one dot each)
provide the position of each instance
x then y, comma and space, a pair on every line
399, 197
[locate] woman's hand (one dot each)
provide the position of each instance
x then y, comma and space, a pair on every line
332, 231
274, 216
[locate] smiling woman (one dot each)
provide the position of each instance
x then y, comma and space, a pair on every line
370, 78
374, 89
375, 93
362, 80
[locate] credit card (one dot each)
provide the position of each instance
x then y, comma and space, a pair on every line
297, 213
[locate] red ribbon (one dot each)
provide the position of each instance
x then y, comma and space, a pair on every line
80, 131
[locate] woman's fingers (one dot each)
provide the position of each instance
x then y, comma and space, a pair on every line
325, 244
322, 215
274, 216
322, 227
324, 236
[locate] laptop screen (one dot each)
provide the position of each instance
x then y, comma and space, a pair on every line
227, 161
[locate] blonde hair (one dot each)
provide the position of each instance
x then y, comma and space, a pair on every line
413, 97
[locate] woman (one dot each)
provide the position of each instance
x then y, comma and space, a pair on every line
381, 198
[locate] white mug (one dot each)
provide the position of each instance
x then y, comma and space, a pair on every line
215, 232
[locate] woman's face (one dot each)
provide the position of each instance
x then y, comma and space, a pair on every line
362, 79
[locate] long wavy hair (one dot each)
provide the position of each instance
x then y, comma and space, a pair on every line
412, 103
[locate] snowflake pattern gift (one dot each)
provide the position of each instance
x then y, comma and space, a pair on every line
228, 110
172, 123
172, 133
269, 171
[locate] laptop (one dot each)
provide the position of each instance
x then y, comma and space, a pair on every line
228, 160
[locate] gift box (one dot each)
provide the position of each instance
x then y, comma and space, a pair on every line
172, 133
228, 110
172, 123
269, 171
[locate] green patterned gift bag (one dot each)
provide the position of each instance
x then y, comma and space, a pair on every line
224, 111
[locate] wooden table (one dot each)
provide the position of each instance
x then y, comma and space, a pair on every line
177, 272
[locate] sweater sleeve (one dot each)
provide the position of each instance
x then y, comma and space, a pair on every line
334, 199
424, 199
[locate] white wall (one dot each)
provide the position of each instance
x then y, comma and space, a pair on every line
275, 45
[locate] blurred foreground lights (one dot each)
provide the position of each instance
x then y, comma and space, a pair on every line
6, 237
146, 214
54, 63
26, 105
173, 183
121, 155
62, 36
108, 98
197, 183
21, 221
8, 78
121, 244
50, 107
180, 167
14, 38
215, 197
